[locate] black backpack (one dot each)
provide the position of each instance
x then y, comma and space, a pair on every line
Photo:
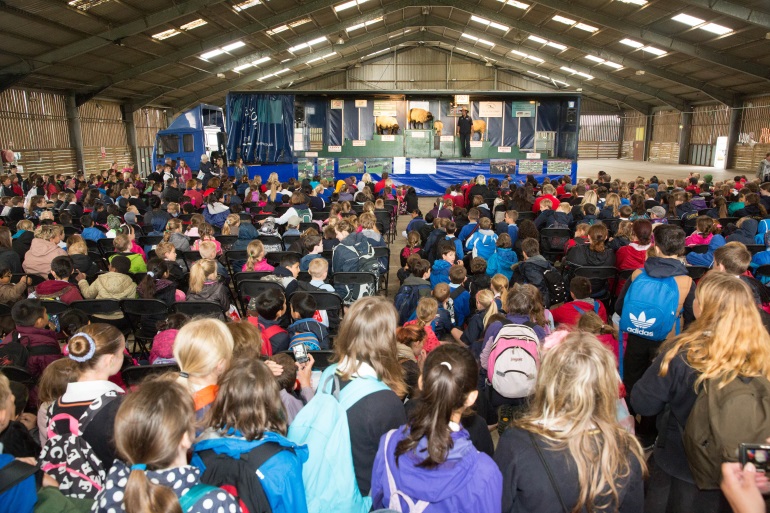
557, 291
15, 353
239, 477
406, 301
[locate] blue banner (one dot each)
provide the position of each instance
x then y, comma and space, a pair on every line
260, 127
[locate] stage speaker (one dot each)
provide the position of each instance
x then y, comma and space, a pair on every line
571, 116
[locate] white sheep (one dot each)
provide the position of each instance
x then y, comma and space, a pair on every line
386, 123
416, 116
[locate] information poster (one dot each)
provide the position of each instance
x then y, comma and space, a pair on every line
385, 108
326, 168
502, 167
490, 109
351, 166
379, 166
399, 165
422, 166
558, 167
530, 167
361, 104
305, 169
523, 109
337, 104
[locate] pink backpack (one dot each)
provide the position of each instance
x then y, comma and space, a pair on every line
514, 361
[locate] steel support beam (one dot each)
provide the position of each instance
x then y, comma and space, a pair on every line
733, 133
194, 78
666, 42
127, 112
75, 131
717, 93
253, 77
739, 12
684, 137
107, 37
223, 39
670, 99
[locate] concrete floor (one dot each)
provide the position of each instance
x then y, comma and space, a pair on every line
623, 169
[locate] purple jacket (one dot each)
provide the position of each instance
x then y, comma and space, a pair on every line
469, 481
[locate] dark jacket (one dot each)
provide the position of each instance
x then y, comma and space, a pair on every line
652, 394
213, 292
22, 243
549, 218
745, 233
33, 337
84, 264
246, 233
430, 250
750, 211
582, 255
527, 487
345, 259
9, 258
531, 271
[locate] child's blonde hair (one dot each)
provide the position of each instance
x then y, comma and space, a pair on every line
256, 252
201, 271
5, 391
318, 267
581, 230
427, 309
564, 207
486, 298
173, 225
231, 222
207, 249
440, 293
546, 203
122, 243
499, 285
163, 249
201, 345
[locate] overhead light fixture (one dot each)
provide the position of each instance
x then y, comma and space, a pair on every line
478, 39
245, 5
562, 19
640, 72
328, 55
365, 24
488, 64
194, 24
84, 5
635, 2
212, 53
716, 29
594, 58
220, 75
348, 5
537, 39
515, 3
654, 51
688, 20
692, 21
233, 46
277, 30
586, 27
340, 40
160, 36
631, 43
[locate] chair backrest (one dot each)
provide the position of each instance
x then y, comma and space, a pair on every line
724, 221
226, 240
275, 257
271, 240
525, 215
555, 232
307, 226
252, 288
762, 270
143, 307
149, 240
106, 245
288, 240
55, 307
199, 308
97, 306
755, 248
191, 257
36, 279
382, 251
697, 248
19, 375
249, 275
133, 376
596, 272
354, 279
696, 272
675, 222
326, 300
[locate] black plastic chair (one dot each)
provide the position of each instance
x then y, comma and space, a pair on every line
143, 315
226, 241
763, 271
36, 279
248, 289
133, 376
288, 240
600, 277
249, 276
550, 235
18, 374
356, 279
235, 255
697, 248
149, 240
190, 257
696, 272
755, 248
55, 307
271, 240
724, 221
275, 257
384, 252
106, 245
307, 226
526, 215
199, 309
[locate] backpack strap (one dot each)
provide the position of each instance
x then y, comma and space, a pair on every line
14, 473
456, 292
263, 452
194, 495
580, 311
396, 495
270, 331
357, 389
548, 471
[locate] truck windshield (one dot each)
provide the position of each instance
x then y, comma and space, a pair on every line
168, 144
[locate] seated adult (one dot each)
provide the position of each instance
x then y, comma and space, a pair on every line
580, 291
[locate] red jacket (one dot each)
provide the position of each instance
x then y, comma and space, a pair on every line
569, 315
30, 336
58, 290
554, 200
630, 257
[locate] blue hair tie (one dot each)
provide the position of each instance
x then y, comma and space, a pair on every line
138, 466
91, 348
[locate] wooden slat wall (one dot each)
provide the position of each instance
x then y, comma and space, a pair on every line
664, 152
631, 121
102, 126
756, 117
597, 150
147, 122
665, 126
34, 124
747, 158
600, 127
708, 123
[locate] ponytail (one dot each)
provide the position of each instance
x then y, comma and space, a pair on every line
487, 299
200, 271
256, 252
598, 234
142, 495
499, 284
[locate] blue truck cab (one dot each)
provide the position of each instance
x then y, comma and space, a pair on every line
194, 132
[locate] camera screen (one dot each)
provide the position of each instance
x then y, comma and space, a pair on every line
758, 457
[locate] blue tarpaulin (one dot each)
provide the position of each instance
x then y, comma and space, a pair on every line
261, 127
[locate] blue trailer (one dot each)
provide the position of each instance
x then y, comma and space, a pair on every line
194, 132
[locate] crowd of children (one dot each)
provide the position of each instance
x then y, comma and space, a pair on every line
576, 319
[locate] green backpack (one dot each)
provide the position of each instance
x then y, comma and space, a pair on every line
304, 214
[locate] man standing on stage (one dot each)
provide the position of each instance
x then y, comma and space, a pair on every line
464, 124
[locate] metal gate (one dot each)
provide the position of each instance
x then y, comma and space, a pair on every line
144, 166
701, 155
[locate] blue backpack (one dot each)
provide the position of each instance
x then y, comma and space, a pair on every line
322, 425
653, 307
406, 301
310, 339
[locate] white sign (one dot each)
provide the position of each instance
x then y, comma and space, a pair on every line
476, 144
311, 153
387, 138
334, 149
447, 138
360, 103
418, 135
399, 165
422, 166
337, 104
309, 111
462, 99
531, 156
491, 109
359, 142
721, 153
419, 105
503, 149
523, 114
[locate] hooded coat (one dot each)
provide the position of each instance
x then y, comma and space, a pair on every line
35, 337
482, 243
532, 271
468, 481
58, 290
110, 285
246, 233
179, 480
212, 292
501, 262
38, 259
439, 273
9, 258
745, 232
215, 214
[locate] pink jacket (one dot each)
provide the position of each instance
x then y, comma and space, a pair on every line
163, 345
697, 238
262, 265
